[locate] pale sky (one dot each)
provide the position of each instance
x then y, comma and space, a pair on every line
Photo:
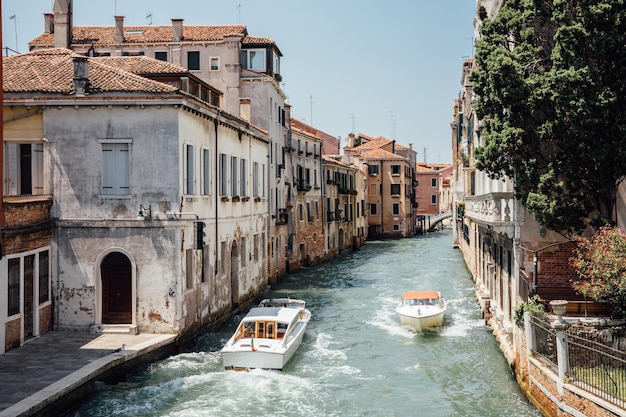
383, 68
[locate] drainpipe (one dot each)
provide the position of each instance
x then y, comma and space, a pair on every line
216, 199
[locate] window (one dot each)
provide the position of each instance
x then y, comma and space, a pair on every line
395, 209
115, 169
133, 53
433, 199
224, 174
373, 189
214, 64
244, 252
395, 170
253, 59
262, 180
23, 169
373, 169
276, 62
193, 60
13, 301
300, 212
44, 277
373, 209
256, 248
189, 268
395, 189
233, 175
255, 179
206, 171
244, 173
161, 55
396, 227
433, 182
189, 169
223, 257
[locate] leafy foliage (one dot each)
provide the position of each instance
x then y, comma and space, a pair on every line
550, 83
601, 266
532, 306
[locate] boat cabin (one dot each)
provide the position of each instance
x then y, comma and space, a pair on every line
268, 323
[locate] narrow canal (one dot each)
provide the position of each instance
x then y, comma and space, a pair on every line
355, 360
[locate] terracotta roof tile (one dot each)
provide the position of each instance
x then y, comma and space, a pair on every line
142, 65
51, 71
381, 154
105, 35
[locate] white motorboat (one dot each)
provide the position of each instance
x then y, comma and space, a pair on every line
421, 309
268, 336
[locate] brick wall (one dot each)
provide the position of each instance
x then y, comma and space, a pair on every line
554, 268
24, 211
12, 334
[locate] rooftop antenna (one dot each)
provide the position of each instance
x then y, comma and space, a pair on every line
239, 11
352, 117
149, 18
425, 153
311, 110
14, 19
115, 14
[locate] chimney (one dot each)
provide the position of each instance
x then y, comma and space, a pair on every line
177, 30
119, 29
48, 19
63, 23
244, 109
81, 75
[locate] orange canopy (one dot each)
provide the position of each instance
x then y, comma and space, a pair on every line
419, 295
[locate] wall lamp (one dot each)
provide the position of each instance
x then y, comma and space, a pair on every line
144, 212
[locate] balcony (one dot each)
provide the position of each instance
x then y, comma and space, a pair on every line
495, 209
303, 187
21, 211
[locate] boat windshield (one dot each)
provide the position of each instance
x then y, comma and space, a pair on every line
420, 302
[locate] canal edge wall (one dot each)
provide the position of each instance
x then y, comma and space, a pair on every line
60, 396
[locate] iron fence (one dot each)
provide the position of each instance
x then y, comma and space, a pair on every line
592, 365
597, 368
544, 343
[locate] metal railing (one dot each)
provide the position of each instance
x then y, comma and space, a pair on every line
591, 365
597, 368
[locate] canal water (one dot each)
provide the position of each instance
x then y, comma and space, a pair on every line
355, 359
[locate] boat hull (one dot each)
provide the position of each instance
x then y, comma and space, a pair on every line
246, 352
243, 357
420, 322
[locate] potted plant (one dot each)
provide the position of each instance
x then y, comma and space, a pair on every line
235, 198
225, 198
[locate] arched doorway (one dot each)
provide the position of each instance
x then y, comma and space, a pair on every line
234, 273
117, 293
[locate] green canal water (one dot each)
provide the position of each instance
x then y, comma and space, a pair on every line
355, 359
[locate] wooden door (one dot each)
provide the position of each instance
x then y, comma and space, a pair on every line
116, 290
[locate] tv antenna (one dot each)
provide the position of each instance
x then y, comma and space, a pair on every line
14, 19
149, 18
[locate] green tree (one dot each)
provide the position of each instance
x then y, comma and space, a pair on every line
551, 88
601, 266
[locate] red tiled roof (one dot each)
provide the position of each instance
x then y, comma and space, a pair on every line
142, 65
51, 71
380, 154
105, 35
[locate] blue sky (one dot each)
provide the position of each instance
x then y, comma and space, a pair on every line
384, 68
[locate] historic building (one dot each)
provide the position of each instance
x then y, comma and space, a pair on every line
243, 68
26, 229
390, 182
158, 197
